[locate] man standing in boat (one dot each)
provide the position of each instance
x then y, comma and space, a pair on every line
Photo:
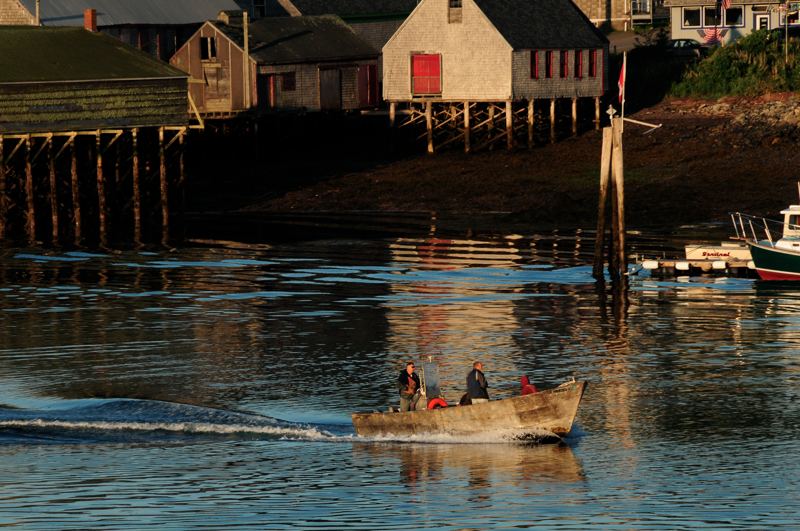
476, 384
408, 383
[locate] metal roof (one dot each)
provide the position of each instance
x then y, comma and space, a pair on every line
353, 7
300, 39
36, 54
122, 12
542, 24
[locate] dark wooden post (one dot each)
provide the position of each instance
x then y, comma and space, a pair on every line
3, 204
137, 196
466, 127
53, 188
510, 123
530, 123
76, 192
429, 122
619, 181
552, 121
30, 211
597, 114
164, 196
101, 190
182, 185
605, 169
613, 241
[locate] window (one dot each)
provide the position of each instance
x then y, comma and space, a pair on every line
712, 17
144, 39
593, 63
427, 77
793, 19
208, 48
691, 17
534, 64
579, 64
288, 82
734, 16
454, 13
548, 64
564, 64
259, 8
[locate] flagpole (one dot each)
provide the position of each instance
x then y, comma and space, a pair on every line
624, 82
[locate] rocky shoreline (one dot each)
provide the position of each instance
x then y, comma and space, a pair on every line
707, 159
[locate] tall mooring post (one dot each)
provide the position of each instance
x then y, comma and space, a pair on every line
611, 172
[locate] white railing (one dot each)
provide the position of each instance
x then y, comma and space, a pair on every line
747, 227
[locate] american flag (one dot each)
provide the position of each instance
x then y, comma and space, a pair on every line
726, 4
713, 36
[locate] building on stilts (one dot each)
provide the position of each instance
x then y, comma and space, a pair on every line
481, 72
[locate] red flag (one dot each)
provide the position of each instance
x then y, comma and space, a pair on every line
621, 82
726, 4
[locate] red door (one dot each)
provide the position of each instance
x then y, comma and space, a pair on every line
427, 74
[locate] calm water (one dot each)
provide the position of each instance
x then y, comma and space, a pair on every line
211, 387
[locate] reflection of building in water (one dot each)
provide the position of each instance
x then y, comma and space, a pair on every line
446, 309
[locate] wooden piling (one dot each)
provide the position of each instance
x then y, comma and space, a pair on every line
605, 170
597, 114
76, 193
392, 114
137, 194
101, 191
164, 191
466, 127
510, 124
574, 116
53, 188
30, 222
552, 121
3, 204
182, 186
619, 181
530, 123
429, 122
613, 241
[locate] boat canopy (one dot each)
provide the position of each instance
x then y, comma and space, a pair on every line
791, 222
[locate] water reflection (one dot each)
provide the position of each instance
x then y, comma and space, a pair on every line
477, 469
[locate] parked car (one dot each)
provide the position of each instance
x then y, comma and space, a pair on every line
686, 49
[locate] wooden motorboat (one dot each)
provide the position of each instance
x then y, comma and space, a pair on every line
543, 417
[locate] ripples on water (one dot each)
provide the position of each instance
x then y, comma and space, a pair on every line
212, 387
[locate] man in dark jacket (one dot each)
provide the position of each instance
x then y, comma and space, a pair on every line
476, 384
408, 383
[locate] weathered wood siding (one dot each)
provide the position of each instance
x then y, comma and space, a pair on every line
217, 84
606, 14
93, 104
476, 59
307, 92
557, 87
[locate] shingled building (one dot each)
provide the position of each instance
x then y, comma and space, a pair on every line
295, 64
495, 51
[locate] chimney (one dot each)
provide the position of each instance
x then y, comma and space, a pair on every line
90, 19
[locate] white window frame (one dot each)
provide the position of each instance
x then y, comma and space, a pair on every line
714, 9
725, 17
760, 16
683, 17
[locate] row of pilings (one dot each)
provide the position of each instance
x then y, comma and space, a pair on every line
104, 187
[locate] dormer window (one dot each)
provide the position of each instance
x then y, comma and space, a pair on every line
454, 12
259, 8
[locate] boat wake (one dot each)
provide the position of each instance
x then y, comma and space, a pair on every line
147, 421
486, 437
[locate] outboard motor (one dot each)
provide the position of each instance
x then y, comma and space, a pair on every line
430, 374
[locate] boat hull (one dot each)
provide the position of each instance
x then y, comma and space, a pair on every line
773, 263
525, 417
